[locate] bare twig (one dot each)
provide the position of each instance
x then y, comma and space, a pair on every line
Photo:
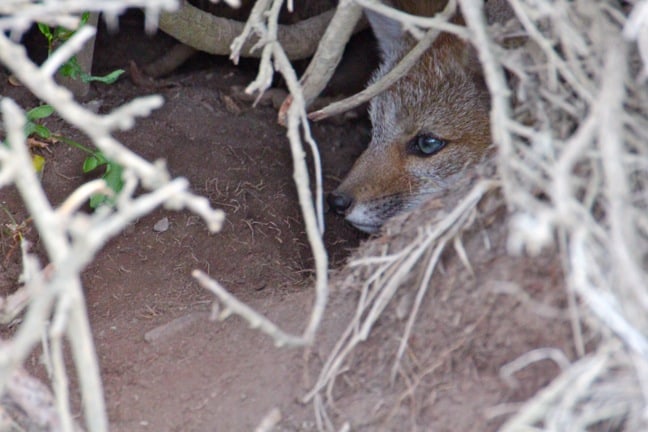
264, 22
330, 49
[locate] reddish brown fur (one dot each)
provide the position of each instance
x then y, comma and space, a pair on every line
443, 95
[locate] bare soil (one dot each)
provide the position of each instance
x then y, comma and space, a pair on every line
166, 367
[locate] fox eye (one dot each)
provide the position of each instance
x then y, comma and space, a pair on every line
425, 145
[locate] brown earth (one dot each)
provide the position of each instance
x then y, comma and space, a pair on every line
166, 367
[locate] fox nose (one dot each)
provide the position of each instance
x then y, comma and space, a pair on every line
339, 202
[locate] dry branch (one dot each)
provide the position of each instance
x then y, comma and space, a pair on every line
567, 128
330, 49
263, 21
400, 70
72, 238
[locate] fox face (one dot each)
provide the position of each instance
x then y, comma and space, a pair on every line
426, 129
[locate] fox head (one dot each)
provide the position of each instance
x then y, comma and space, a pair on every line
427, 127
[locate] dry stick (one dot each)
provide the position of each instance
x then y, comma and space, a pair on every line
384, 293
314, 224
313, 217
298, 118
254, 22
60, 384
434, 233
500, 116
449, 227
599, 302
538, 407
55, 240
422, 290
341, 348
508, 370
15, 352
349, 339
256, 320
333, 363
329, 51
411, 22
395, 74
313, 220
562, 195
580, 390
321, 416
51, 230
548, 48
611, 107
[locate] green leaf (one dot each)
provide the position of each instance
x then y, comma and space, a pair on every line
40, 112
113, 178
71, 69
41, 131
30, 128
91, 163
84, 19
45, 31
97, 199
62, 34
106, 79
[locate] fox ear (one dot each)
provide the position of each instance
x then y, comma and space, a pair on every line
388, 32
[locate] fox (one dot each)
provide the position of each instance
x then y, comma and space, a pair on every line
427, 128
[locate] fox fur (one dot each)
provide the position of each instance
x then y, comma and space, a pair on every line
442, 100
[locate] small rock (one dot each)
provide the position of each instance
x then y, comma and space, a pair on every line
162, 225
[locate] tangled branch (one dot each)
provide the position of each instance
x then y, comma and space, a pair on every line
72, 238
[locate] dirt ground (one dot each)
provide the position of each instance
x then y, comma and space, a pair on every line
166, 367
